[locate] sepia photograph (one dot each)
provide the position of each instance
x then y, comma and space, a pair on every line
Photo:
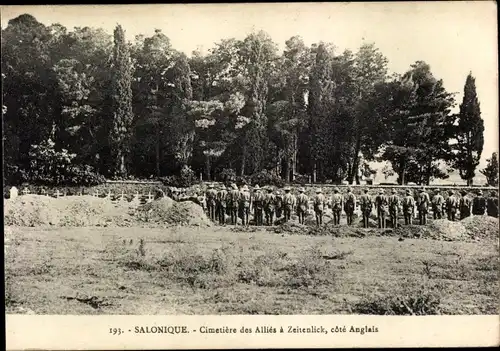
251, 159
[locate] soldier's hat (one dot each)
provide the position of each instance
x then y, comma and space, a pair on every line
302, 190
256, 187
287, 188
394, 191
422, 189
493, 193
318, 191
222, 187
335, 190
269, 188
381, 191
480, 192
408, 191
366, 190
211, 185
245, 187
349, 189
437, 191
450, 192
463, 192
234, 186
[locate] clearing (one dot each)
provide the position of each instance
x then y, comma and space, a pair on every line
216, 270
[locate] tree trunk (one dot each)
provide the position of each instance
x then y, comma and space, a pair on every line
157, 152
122, 166
243, 160
208, 167
314, 172
355, 164
287, 170
403, 173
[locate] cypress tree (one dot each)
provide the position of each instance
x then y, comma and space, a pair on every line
121, 102
470, 138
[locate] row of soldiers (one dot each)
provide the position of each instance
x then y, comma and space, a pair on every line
240, 203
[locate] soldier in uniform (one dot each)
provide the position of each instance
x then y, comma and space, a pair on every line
211, 197
365, 202
234, 198
279, 204
319, 203
288, 203
381, 203
349, 205
451, 206
394, 205
302, 205
437, 205
269, 205
479, 204
464, 205
245, 204
337, 204
492, 205
423, 206
222, 197
258, 206
408, 207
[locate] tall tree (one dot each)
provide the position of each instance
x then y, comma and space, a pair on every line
121, 102
470, 138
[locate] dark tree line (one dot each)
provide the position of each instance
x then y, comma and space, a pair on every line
108, 106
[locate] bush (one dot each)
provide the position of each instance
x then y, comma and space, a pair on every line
185, 179
265, 177
227, 175
301, 179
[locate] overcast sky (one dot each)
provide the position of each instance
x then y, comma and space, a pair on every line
453, 37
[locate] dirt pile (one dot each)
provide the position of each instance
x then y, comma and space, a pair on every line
167, 211
481, 227
290, 227
31, 211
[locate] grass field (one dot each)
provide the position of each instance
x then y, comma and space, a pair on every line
216, 271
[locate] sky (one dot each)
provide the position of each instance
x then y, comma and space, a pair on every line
454, 38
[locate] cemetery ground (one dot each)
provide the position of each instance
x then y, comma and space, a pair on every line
220, 270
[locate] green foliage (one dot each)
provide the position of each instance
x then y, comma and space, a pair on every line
491, 170
265, 177
470, 138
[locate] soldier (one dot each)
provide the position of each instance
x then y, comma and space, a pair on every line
464, 205
222, 197
245, 204
394, 205
381, 203
408, 207
349, 205
288, 203
366, 205
279, 204
211, 197
492, 205
269, 205
451, 206
319, 203
258, 205
302, 205
437, 205
234, 198
479, 204
337, 204
423, 206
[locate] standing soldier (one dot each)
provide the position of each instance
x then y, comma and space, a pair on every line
408, 207
288, 203
279, 204
319, 203
211, 197
479, 204
337, 203
245, 204
381, 203
258, 205
492, 205
302, 205
423, 206
465, 205
366, 204
394, 205
222, 197
451, 206
437, 205
234, 198
269, 205
349, 205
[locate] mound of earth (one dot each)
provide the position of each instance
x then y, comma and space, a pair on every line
167, 211
480, 227
31, 211
290, 227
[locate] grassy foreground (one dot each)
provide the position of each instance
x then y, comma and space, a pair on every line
215, 271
